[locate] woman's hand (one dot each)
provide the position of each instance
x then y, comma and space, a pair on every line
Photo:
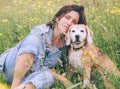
26, 86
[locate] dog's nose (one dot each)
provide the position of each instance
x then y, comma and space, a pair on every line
77, 36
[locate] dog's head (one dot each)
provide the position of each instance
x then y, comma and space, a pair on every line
79, 36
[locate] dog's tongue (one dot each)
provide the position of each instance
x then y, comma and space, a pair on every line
77, 42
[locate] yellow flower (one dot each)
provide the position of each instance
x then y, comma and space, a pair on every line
1, 34
19, 26
57, 0
89, 53
48, 3
4, 20
20, 37
3, 86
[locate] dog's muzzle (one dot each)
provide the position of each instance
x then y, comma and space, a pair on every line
77, 39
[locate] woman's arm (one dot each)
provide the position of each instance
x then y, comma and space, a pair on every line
61, 78
23, 64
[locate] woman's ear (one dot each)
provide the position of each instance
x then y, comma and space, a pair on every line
67, 38
89, 35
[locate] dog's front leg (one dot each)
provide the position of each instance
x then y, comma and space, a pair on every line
86, 77
69, 71
86, 80
61, 78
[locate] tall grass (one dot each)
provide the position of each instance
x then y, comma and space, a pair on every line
18, 17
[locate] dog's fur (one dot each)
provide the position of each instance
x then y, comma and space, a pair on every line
84, 54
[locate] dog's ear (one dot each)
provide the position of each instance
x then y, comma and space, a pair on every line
89, 35
67, 38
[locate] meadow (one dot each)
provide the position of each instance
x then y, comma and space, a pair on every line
18, 17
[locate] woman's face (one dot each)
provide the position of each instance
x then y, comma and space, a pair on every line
67, 20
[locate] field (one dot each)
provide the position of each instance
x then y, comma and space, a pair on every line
18, 17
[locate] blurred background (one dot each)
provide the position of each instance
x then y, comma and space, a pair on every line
18, 17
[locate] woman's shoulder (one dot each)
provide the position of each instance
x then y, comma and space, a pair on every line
43, 28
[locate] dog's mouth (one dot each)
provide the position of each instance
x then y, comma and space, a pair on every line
78, 45
77, 42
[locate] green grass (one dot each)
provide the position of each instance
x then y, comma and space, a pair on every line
18, 17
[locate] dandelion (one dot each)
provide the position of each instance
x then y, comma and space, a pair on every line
33, 19
107, 4
3, 86
19, 26
115, 10
23, 12
14, 1
1, 34
20, 37
4, 20
97, 18
57, 0
106, 10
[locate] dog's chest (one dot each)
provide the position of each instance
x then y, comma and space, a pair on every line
74, 58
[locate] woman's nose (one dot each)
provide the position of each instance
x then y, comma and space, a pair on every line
69, 22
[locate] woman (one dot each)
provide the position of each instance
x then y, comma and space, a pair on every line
26, 65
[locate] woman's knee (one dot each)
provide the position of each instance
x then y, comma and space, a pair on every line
50, 79
41, 80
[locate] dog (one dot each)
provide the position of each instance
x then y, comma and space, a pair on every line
84, 54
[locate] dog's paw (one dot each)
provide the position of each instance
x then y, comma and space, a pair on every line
69, 85
90, 86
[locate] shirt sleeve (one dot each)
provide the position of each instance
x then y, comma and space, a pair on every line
34, 43
30, 44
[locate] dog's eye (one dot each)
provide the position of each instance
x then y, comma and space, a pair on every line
73, 30
82, 30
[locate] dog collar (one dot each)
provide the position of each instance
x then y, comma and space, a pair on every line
80, 47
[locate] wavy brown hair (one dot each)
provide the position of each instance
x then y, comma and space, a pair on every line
66, 9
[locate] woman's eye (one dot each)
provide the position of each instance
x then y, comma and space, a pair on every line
67, 17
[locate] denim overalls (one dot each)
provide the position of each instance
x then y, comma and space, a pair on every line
37, 42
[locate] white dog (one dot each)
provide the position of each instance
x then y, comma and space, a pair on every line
83, 54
